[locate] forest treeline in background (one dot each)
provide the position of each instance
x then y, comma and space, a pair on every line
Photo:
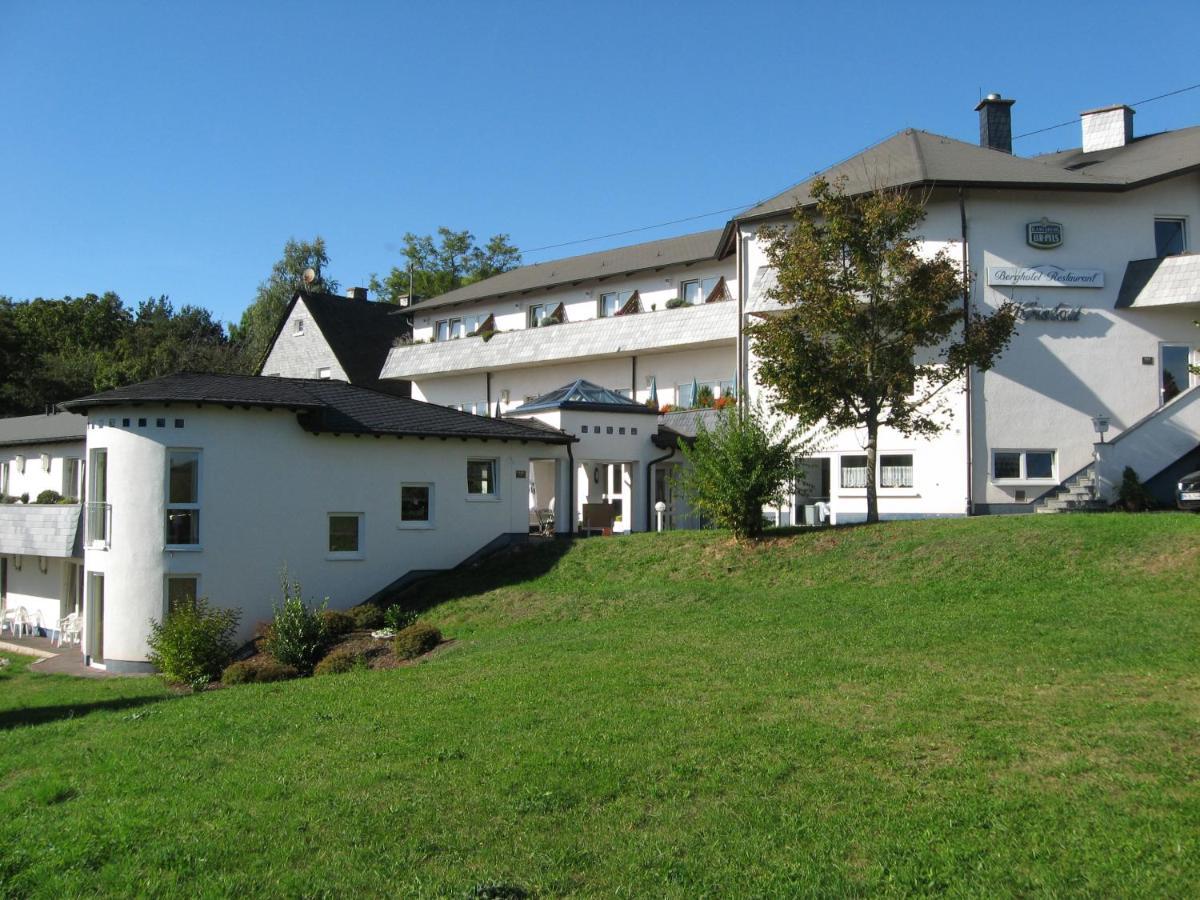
53, 350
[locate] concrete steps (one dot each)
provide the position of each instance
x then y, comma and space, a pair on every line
1076, 494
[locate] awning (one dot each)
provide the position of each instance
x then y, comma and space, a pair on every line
1170, 281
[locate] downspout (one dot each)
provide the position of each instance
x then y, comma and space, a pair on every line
650, 487
571, 489
487, 392
962, 213
743, 391
633, 377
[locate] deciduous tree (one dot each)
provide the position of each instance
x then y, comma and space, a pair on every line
441, 265
872, 331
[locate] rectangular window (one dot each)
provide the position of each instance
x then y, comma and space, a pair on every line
1170, 237
98, 509
181, 592
854, 471
481, 477
71, 483
183, 498
690, 292
345, 533
1023, 465
299, 326
449, 329
416, 507
324, 373
3, 478
537, 312
896, 470
611, 302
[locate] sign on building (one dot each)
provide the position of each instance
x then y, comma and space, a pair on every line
1044, 277
1045, 235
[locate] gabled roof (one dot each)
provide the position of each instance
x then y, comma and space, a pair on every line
324, 406
585, 395
619, 261
359, 333
52, 429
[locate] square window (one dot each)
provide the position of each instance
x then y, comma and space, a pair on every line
583, 429
179, 423
160, 423
141, 423
345, 532
620, 431
690, 292
1006, 465
1170, 237
633, 431
124, 423
183, 527
1039, 464
854, 471
896, 470
415, 503
610, 429
481, 477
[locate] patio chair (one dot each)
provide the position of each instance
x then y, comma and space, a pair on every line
8, 621
70, 629
20, 623
545, 522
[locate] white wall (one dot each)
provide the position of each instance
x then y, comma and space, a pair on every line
707, 364
265, 492
40, 593
1056, 376
302, 355
36, 478
580, 301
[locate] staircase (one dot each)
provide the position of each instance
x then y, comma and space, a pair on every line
1076, 494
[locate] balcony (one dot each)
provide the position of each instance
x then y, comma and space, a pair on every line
670, 329
41, 530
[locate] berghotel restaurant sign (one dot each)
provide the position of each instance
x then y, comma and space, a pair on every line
1044, 277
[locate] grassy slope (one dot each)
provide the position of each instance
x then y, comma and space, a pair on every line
985, 706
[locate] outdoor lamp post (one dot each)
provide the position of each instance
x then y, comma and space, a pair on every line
1100, 426
660, 508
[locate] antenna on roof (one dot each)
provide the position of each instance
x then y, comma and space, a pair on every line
309, 276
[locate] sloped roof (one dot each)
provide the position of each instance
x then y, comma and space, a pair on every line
52, 429
913, 157
582, 394
324, 406
603, 264
41, 530
359, 332
1170, 281
684, 425
1142, 160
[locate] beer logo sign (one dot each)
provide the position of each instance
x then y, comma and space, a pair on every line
1045, 235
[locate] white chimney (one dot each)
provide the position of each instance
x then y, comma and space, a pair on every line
1107, 127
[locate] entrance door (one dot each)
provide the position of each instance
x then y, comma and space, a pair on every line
664, 492
3, 582
1174, 375
95, 617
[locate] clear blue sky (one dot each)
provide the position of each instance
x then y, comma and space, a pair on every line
171, 148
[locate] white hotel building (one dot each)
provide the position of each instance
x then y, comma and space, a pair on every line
211, 483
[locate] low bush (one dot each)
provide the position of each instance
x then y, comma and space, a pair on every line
337, 623
257, 671
343, 659
398, 618
194, 644
48, 496
416, 639
297, 636
1133, 495
676, 303
366, 616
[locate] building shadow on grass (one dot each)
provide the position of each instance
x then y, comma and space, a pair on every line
41, 715
514, 565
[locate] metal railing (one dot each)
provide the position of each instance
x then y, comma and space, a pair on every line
98, 531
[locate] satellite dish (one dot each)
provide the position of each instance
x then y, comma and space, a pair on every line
310, 275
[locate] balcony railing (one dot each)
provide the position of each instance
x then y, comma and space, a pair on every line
99, 525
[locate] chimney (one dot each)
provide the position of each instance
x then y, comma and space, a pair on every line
356, 293
995, 122
1107, 127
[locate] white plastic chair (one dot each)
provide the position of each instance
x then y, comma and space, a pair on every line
20, 622
69, 629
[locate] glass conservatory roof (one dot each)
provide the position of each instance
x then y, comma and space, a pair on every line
582, 395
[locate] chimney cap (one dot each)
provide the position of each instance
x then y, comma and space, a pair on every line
1112, 108
991, 99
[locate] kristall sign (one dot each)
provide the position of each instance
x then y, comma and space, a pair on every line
1044, 277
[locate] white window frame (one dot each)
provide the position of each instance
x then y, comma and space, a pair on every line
1023, 477
533, 318
325, 373
168, 505
4, 477
176, 576
449, 323
842, 469
362, 535
418, 524
298, 327
912, 472
622, 297
492, 497
74, 487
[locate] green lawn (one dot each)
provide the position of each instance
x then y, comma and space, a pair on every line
987, 707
